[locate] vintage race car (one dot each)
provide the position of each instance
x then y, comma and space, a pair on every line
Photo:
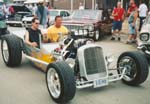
75, 62
144, 37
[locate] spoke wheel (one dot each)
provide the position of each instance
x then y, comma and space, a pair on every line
131, 68
136, 67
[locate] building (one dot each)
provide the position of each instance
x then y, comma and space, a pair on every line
90, 4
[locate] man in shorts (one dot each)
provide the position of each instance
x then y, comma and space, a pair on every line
118, 14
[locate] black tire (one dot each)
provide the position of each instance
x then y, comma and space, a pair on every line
137, 70
14, 50
66, 79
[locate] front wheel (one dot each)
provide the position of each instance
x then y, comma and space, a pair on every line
136, 67
60, 82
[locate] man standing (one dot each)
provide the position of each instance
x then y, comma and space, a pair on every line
118, 14
143, 10
81, 7
56, 30
42, 13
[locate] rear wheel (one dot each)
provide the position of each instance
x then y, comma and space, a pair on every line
136, 67
60, 82
11, 50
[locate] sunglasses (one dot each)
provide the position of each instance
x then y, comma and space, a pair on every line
37, 23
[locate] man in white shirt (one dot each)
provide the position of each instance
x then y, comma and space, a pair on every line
142, 13
81, 7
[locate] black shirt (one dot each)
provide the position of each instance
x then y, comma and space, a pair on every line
34, 36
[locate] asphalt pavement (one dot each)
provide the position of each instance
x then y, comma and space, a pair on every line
26, 84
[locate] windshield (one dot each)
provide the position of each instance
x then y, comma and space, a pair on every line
85, 14
53, 13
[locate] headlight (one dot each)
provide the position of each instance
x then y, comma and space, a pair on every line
76, 32
80, 32
144, 36
89, 27
85, 32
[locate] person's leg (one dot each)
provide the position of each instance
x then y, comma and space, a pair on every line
113, 30
130, 34
134, 35
141, 22
119, 29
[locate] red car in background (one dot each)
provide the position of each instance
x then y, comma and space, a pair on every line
89, 23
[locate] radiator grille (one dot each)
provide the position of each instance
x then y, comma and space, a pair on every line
94, 60
73, 27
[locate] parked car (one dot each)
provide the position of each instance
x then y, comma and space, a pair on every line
90, 23
20, 12
3, 26
144, 38
53, 13
75, 63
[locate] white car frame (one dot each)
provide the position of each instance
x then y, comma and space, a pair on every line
75, 63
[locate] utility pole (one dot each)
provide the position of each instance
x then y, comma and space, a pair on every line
122, 3
71, 5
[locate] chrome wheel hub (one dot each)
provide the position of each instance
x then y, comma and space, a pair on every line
53, 83
5, 51
131, 68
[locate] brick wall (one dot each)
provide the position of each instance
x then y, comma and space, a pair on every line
66, 4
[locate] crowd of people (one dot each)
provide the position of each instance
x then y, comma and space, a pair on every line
133, 13
7, 10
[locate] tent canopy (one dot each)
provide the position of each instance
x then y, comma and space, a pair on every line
34, 1
19, 0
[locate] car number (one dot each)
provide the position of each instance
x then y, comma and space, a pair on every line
100, 83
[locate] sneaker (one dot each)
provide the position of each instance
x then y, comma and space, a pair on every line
119, 38
134, 41
128, 42
112, 38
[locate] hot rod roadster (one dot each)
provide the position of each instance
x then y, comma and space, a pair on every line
74, 62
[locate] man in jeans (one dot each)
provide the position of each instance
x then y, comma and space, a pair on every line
42, 13
118, 14
142, 13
